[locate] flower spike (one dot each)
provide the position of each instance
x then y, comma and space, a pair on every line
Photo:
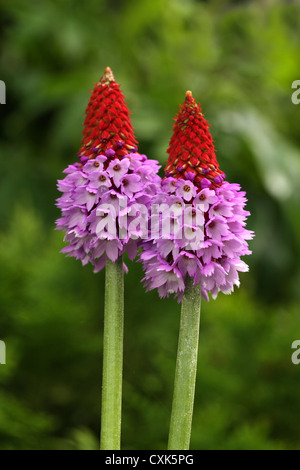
102, 194
204, 214
102, 191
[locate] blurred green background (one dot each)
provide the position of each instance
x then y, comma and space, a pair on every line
239, 59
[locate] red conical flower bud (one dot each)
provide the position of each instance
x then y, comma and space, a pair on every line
107, 124
191, 149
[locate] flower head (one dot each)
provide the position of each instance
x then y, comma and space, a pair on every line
210, 235
100, 194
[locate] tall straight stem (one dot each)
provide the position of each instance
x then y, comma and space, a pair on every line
186, 368
112, 356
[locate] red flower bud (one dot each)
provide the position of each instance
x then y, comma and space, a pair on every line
191, 148
107, 124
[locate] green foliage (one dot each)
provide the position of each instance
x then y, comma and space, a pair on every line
240, 60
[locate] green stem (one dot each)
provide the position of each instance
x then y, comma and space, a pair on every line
186, 368
112, 356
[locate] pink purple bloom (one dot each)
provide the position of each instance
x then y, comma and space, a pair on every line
207, 247
97, 204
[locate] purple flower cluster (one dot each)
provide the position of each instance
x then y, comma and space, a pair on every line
101, 196
197, 233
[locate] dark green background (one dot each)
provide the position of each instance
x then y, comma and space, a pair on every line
239, 59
